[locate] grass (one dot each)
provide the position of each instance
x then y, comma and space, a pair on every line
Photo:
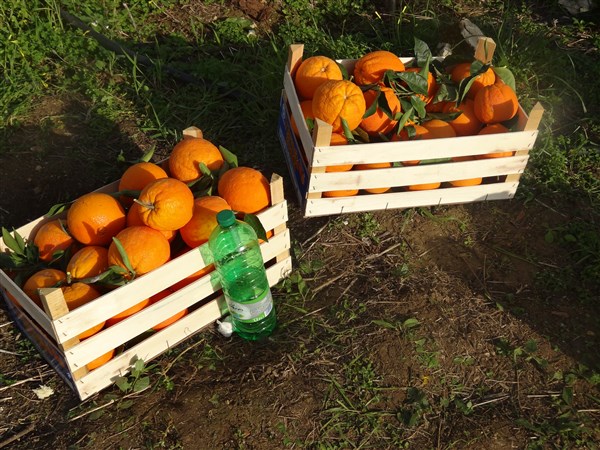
224, 75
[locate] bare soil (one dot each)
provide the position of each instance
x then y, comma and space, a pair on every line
477, 277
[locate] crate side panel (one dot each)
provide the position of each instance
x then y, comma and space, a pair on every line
133, 326
165, 339
41, 341
294, 155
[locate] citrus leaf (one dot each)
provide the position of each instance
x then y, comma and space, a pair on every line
256, 225
415, 81
229, 157
124, 256
384, 106
147, 156
57, 209
506, 75
422, 52
344, 71
11, 242
419, 105
407, 114
373, 108
346, 128
205, 170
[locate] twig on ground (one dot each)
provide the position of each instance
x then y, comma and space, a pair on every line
328, 282
389, 249
9, 352
17, 436
110, 402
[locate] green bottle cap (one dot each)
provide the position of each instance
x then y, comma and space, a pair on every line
226, 218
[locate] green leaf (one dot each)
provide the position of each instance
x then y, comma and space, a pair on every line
205, 170
57, 209
141, 384
229, 157
384, 324
410, 323
567, 395
415, 81
125, 404
11, 242
419, 105
373, 108
346, 128
422, 52
138, 368
256, 225
506, 75
124, 257
123, 384
345, 74
147, 156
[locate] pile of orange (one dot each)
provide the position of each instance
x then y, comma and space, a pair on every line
153, 218
367, 105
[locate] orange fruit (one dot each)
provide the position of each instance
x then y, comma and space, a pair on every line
382, 165
88, 262
306, 107
134, 218
431, 85
467, 124
493, 129
338, 139
496, 103
146, 249
137, 176
94, 218
187, 155
379, 121
466, 182
420, 133
463, 70
313, 72
79, 294
193, 277
423, 187
51, 237
438, 129
204, 220
334, 100
165, 323
245, 190
128, 312
370, 68
166, 204
44, 278
341, 193
436, 107
101, 360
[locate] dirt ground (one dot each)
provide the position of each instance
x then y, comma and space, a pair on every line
477, 277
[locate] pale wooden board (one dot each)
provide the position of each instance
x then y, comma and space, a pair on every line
409, 175
26, 303
328, 206
165, 339
423, 149
110, 304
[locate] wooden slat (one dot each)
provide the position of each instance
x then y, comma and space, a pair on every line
423, 149
404, 176
484, 51
56, 307
298, 117
26, 303
328, 206
165, 339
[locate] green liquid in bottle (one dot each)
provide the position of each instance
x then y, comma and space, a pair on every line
240, 266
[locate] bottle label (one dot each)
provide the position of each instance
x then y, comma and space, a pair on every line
254, 311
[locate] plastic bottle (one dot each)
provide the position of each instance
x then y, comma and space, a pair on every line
239, 264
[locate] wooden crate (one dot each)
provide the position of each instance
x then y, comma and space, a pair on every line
54, 331
308, 156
